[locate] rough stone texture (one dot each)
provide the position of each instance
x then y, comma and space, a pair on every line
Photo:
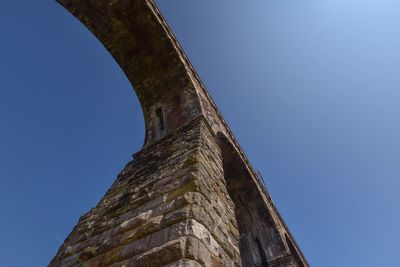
190, 197
170, 203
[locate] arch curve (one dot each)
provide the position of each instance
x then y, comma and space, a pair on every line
260, 240
139, 39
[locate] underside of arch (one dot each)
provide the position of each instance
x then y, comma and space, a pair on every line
260, 240
264, 237
140, 41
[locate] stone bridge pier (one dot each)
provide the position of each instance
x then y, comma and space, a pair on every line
190, 197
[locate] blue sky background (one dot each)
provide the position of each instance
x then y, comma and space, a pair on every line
311, 89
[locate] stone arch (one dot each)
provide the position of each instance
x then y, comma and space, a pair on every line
173, 100
259, 241
139, 39
169, 90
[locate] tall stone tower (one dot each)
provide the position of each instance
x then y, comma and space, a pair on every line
190, 197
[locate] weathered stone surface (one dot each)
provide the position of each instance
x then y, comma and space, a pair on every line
184, 263
187, 210
190, 197
193, 218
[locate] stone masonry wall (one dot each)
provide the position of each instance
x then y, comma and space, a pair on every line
168, 207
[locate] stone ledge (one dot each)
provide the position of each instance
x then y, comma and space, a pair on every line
285, 261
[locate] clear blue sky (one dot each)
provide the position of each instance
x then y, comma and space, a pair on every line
311, 89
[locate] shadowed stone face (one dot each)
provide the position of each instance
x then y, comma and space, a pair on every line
190, 197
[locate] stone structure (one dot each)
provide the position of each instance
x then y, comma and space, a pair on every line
190, 197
